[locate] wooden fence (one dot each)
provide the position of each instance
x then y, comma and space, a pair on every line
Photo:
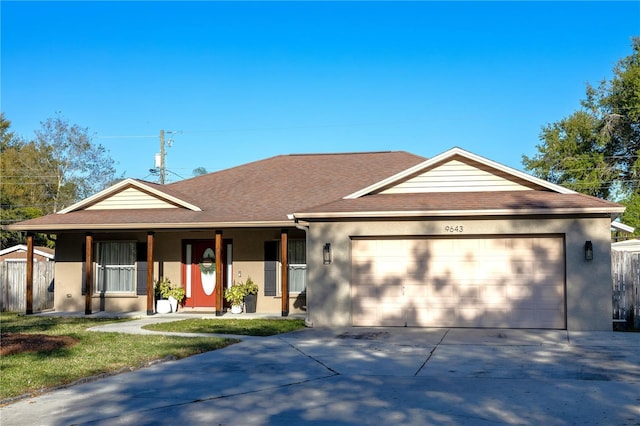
625, 271
13, 286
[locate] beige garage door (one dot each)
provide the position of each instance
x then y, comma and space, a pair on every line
512, 282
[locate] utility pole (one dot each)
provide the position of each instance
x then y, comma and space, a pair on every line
162, 157
160, 166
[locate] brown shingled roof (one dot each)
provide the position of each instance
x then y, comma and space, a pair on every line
264, 192
312, 186
270, 189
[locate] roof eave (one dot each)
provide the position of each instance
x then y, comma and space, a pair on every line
151, 226
443, 213
622, 227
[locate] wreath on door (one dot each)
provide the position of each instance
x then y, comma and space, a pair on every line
208, 262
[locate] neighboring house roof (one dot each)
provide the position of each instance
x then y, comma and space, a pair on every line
628, 245
22, 249
275, 191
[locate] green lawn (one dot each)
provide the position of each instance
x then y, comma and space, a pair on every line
94, 353
243, 327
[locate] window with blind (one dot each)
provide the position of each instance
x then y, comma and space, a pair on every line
115, 267
297, 253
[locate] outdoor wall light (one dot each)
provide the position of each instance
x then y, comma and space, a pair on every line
588, 250
326, 253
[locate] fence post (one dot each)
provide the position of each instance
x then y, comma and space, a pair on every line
29, 307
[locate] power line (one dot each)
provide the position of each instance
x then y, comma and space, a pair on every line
23, 183
23, 176
126, 137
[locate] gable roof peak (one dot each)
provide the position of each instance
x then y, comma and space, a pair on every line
449, 155
154, 189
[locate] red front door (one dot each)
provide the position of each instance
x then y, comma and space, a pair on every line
199, 274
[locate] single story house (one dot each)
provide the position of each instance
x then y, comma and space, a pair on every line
362, 239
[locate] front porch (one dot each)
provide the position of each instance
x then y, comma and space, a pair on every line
116, 272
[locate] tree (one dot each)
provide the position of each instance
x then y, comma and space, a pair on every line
59, 167
6, 136
199, 171
17, 200
596, 150
78, 167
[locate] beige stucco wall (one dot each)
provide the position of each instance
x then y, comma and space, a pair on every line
248, 261
588, 283
68, 295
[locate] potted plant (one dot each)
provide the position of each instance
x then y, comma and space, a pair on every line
251, 295
235, 295
175, 296
167, 293
162, 288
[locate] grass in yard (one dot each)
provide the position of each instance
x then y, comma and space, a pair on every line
243, 327
94, 353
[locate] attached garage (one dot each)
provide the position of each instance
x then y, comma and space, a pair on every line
506, 281
460, 241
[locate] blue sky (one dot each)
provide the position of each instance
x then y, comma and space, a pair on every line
242, 81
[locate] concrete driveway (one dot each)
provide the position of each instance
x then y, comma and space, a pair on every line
368, 376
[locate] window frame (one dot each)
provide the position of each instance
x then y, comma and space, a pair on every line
292, 266
98, 273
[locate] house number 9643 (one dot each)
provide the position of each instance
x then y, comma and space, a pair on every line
454, 228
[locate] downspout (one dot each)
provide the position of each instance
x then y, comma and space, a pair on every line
305, 228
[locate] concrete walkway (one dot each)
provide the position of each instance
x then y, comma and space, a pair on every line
370, 376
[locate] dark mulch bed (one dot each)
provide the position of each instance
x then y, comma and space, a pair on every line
13, 343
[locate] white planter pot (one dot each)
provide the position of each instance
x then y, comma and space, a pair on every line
163, 306
236, 309
174, 304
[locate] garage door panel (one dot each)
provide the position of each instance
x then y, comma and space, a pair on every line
362, 271
517, 293
417, 270
548, 273
365, 291
391, 267
417, 316
521, 267
465, 282
494, 295
419, 291
547, 293
442, 290
469, 293
446, 303
493, 316
469, 315
415, 281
